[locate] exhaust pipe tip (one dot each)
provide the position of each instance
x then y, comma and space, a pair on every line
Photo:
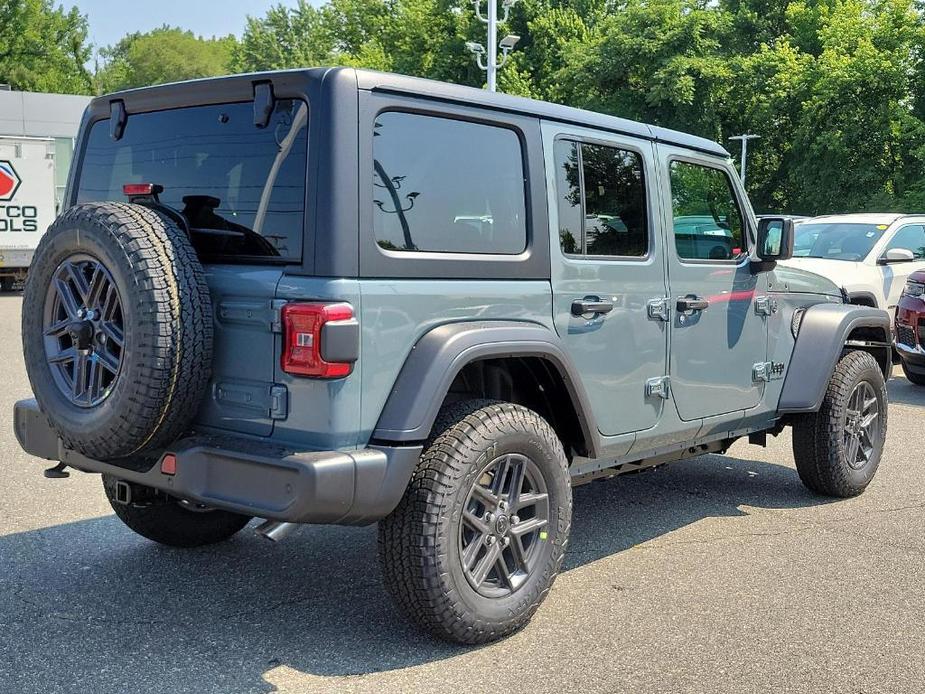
275, 530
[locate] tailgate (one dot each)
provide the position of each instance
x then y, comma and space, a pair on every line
243, 396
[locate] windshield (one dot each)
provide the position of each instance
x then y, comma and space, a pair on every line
836, 241
240, 188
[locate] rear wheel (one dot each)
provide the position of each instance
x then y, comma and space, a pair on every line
837, 449
173, 522
912, 376
477, 541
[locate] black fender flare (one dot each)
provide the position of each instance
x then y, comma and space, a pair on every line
866, 296
440, 354
823, 334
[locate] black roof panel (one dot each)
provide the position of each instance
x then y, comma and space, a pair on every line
210, 88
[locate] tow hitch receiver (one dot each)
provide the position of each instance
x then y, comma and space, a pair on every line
123, 492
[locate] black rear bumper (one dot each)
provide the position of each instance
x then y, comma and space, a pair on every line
254, 478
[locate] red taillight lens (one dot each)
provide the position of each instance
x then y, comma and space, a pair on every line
132, 189
304, 326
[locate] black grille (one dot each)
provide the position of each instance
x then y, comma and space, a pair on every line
905, 335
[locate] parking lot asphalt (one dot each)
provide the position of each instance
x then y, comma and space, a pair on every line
719, 574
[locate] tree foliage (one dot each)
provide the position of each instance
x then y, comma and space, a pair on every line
163, 55
43, 47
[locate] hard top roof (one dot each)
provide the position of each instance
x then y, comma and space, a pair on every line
388, 82
886, 218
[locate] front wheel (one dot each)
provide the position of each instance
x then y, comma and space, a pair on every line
173, 522
478, 538
837, 449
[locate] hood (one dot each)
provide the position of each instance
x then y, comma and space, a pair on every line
813, 275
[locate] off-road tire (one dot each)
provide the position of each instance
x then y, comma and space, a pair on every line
913, 377
418, 542
167, 314
818, 437
168, 522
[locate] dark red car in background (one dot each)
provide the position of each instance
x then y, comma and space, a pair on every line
910, 328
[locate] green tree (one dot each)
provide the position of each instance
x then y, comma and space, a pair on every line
43, 48
163, 55
285, 38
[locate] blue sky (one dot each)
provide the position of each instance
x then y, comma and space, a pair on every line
110, 21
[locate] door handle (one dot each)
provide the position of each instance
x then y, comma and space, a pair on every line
689, 304
591, 304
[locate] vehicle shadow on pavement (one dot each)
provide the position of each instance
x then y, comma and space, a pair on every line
90, 606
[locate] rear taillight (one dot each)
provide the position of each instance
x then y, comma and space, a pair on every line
319, 340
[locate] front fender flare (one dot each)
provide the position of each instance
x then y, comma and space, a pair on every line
823, 333
440, 354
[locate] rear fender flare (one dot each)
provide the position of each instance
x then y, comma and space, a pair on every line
440, 354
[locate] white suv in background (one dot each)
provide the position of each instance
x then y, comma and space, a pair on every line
869, 255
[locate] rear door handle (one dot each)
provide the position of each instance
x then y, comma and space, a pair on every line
691, 303
591, 304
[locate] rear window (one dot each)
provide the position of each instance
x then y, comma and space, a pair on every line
449, 186
240, 188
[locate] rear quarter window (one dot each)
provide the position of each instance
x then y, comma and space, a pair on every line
447, 186
240, 188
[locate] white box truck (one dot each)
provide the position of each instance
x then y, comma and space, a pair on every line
27, 202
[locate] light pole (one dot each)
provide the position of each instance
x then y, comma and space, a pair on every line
491, 64
744, 138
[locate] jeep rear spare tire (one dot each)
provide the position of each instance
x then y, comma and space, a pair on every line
117, 329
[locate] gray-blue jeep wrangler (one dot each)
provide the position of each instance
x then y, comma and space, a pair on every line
337, 296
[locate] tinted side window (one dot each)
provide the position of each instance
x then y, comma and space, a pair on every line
224, 174
568, 193
448, 186
912, 238
706, 216
602, 200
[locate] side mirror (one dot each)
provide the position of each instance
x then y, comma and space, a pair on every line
775, 239
896, 255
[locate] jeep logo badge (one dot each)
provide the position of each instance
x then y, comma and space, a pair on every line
9, 181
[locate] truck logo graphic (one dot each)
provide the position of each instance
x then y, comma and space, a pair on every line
9, 181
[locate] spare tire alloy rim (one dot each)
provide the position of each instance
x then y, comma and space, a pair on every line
862, 425
83, 330
504, 525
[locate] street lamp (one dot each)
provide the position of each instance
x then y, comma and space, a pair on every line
491, 64
744, 138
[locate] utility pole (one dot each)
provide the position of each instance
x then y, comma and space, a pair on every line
491, 64
744, 138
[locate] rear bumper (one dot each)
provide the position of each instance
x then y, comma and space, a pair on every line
257, 479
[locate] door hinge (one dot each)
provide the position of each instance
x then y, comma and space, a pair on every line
766, 371
276, 315
659, 387
279, 402
658, 309
765, 305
